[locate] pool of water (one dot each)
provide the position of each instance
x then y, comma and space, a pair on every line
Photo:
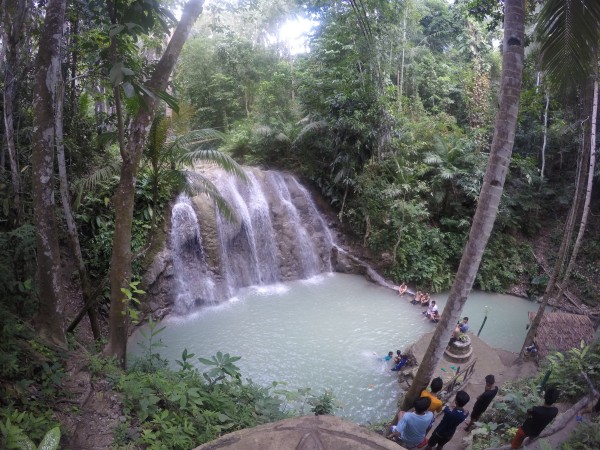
329, 332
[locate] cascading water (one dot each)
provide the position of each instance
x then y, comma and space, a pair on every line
278, 235
189, 261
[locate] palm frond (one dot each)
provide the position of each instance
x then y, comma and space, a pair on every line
281, 137
90, 182
432, 159
107, 138
200, 137
569, 31
198, 184
213, 157
309, 128
263, 130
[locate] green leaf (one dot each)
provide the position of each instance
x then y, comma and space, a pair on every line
128, 89
51, 440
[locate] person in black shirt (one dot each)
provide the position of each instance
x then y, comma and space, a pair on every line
483, 401
538, 418
452, 419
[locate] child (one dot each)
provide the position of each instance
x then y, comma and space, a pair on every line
452, 419
538, 418
483, 401
389, 356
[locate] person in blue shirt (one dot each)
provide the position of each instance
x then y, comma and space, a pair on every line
412, 426
452, 419
389, 356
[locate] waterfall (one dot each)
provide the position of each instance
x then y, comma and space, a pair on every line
189, 261
277, 235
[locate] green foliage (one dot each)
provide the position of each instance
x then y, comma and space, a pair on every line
185, 408
150, 361
15, 438
323, 404
223, 367
504, 263
567, 369
585, 436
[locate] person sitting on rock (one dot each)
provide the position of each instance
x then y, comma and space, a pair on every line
417, 298
425, 299
461, 328
402, 289
430, 309
412, 426
435, 316
400, 360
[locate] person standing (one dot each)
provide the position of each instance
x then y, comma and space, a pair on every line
436, 386
452, 419
483, 401
538, 418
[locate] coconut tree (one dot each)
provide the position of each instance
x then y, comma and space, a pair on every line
491, 192
569, 32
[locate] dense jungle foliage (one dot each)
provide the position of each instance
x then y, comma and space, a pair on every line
387, 109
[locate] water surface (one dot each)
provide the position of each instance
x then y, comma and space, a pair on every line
329, 332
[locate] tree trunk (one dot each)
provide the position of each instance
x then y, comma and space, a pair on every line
123, 200
13, 20
545, 136
562, 254
86, 288
588, 193
489, 198
48, 321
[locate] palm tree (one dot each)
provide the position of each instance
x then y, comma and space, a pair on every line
569, 31
491, 192
167, 159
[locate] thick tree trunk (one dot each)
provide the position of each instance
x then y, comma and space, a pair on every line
489, 198
123, 200
86, 288
48, 321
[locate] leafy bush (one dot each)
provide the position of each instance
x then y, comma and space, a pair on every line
323, 404
566, 370
584, 437
186, 408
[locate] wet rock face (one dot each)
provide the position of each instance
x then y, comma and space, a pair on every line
277, 235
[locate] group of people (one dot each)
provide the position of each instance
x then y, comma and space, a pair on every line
411, 428
423, 299
400, 360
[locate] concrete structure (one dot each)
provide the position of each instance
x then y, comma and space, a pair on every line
303, 433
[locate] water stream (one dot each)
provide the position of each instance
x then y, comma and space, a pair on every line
327, 333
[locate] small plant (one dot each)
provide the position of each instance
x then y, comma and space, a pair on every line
131, 296
14, 437
151, 360
584, 437
224, 367
323, 404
